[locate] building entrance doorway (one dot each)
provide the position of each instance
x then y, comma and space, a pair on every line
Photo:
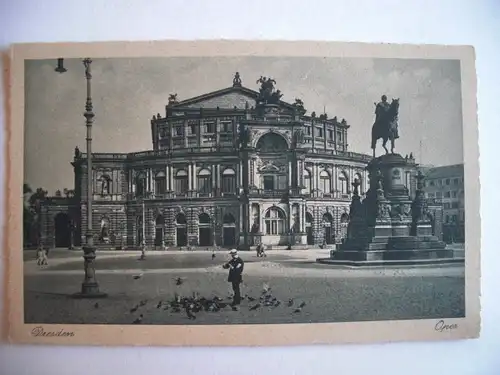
328, 228
229, 230
160, 220
204, 230
181, 229
309, 229
62, 228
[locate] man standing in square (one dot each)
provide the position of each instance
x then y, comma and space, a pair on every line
235, 266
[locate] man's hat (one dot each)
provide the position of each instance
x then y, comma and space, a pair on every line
233, 251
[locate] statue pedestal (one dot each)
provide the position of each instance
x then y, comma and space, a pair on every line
384, 231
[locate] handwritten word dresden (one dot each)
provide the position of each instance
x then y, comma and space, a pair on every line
40, 332
441, 326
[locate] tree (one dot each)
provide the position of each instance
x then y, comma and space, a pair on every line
31, 213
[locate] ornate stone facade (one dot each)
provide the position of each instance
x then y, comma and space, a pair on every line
226, 167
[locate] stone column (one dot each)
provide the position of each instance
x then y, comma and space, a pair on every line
252, 171
218, 179
303, 219
151, 181
313, 134
171, 177
291, 180
214, 179
217, 133
130, 181
238, 174
186, 133
167, 178
316, 175
194, 185
324, 134
190, 177
171, 137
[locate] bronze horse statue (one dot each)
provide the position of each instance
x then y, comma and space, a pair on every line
386, 127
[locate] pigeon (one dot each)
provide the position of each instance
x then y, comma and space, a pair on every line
143, 302
136, 277
302, 305
189, 312
134, 309
178, 281
266, 289
290, 302
255, 307
96, 305
213, 255
138, 320
277, 303
177, 298
297, 310
251, 299
159, 304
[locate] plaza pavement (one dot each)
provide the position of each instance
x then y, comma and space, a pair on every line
331, 294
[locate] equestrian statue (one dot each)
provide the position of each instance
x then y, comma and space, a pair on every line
386, 123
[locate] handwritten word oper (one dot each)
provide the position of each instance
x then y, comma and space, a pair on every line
441, 326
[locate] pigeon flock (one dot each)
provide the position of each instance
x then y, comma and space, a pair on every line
195, 304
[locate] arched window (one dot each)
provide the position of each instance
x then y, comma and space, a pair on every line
160, 220
204, 219
307, 181
204, 182
181, 182
325, 182
160, 183
180, 219
343, 183
275, 221
141, 184
229, 181
228, 219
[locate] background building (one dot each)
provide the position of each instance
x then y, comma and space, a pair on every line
234, 167
445, 185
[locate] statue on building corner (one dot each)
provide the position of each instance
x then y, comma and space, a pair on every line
172, 99
267, 93
78, 153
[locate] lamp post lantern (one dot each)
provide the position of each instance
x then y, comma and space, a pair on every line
90, 287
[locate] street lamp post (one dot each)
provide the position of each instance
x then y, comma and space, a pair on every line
143, 242
90, 287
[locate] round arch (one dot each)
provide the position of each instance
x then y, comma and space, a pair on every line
204, 218
228, 219
275, 221
272, 142
180, 219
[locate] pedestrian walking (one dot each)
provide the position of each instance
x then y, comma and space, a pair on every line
235, 266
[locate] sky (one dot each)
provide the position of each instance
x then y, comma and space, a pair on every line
128, 92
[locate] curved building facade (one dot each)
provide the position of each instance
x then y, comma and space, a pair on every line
234, 168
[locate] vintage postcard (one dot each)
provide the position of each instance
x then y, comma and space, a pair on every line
241, 193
